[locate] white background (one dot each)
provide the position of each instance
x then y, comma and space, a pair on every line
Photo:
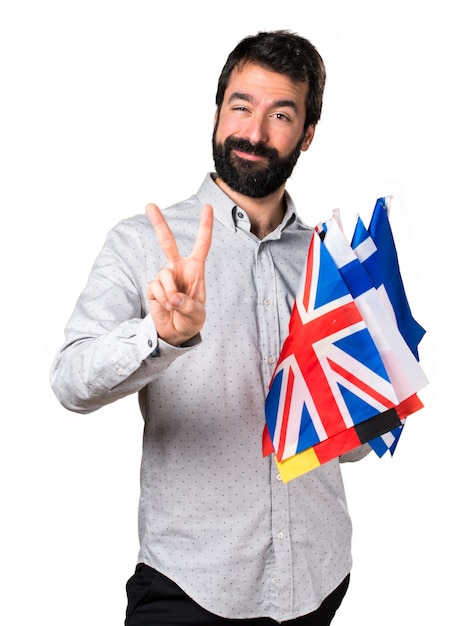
106, 106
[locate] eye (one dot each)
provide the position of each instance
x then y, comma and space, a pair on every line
282, 117
240, 109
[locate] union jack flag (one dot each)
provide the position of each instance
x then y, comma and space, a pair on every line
330, 377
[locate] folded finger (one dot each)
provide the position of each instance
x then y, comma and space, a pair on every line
156, 292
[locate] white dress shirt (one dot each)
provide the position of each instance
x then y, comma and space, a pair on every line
214, 515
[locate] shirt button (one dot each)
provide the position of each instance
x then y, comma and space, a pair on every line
149, 343
120, 371
280, 535
271, 360
275, 580
279, 477
266, 301
240, 215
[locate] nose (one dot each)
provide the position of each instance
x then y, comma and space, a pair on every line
256, 129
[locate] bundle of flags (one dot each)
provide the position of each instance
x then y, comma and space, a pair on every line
349, 370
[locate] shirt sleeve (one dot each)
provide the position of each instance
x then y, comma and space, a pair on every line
356, 455
111, 347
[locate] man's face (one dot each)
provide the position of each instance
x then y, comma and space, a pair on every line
259, 131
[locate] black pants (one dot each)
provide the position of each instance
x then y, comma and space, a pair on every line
155, 600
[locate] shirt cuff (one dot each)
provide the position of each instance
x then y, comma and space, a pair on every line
162, 346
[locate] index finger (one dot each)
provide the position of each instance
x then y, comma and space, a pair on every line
164, 234
204, 234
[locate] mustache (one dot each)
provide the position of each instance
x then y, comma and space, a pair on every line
244, 145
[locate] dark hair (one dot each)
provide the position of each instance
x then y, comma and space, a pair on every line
285, 53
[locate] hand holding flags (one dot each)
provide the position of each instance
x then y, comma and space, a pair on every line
348, 372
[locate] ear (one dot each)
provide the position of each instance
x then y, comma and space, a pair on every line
308, 137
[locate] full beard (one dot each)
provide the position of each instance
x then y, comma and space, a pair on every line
252, 179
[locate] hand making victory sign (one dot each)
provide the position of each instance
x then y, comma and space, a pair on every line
177, 295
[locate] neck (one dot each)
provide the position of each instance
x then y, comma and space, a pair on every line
265, 213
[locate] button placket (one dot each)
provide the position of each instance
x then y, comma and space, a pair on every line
268, 313
280, 575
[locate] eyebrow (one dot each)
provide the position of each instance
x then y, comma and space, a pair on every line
238, 95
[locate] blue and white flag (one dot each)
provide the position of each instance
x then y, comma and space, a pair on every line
375, 248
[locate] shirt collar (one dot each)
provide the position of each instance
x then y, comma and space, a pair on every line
227, 212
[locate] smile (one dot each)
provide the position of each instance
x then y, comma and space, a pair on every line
249, 156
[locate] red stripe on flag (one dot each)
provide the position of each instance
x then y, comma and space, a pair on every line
336, 320
409, 406
325, 324
370, 391
308, 281
267, 444
287, 404
337, 445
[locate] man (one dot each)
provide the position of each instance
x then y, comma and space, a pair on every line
222, 539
